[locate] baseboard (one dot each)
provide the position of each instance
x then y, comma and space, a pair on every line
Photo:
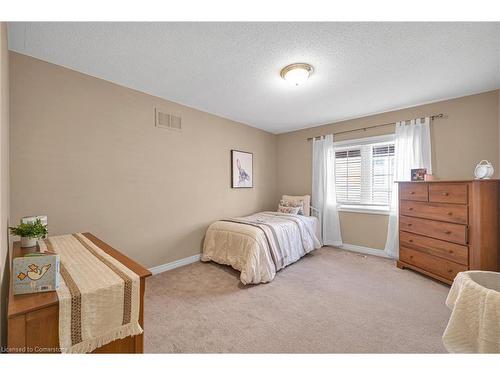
195, 258
364, 250
177, 263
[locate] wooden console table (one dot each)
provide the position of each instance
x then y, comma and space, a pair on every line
33, 319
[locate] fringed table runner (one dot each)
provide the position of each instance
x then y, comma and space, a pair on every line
98, 295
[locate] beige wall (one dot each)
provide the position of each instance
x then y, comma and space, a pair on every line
4, 175
86, 153
468, 133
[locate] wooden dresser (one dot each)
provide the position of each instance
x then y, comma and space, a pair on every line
33, 319
446, 227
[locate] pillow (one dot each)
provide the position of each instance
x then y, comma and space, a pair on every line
304, 199
288, 210
297, 204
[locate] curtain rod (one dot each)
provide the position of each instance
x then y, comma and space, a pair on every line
439, 115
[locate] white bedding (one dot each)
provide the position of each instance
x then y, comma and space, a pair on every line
246, 248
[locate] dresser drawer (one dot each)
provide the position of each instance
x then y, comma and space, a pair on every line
435, 211
435, 265
448, 193
448, 250
445, 231
416, 191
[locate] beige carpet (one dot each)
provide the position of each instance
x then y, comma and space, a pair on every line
331, 301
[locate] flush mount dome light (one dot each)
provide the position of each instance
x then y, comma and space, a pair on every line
296, 74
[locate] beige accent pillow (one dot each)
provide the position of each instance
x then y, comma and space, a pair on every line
298, 204
304, 199
288, 210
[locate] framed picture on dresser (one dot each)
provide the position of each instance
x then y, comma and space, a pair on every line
241, 169
418, 174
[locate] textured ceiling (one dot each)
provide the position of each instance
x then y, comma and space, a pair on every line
232, 69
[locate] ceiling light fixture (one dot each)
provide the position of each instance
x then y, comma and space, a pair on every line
296, 74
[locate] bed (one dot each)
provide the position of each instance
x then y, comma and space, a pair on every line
261, 244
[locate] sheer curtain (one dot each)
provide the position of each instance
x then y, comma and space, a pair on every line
324, 197
412, 146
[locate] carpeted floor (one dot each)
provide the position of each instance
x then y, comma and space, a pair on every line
331, 301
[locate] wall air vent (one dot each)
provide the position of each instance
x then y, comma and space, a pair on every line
167, 121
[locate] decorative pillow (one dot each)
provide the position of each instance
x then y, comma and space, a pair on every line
295, 204
288, 210
305, 199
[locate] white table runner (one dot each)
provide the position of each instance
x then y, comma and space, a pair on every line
98, 297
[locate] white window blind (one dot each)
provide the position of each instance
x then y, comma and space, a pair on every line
382, 174
348, 175
364, 173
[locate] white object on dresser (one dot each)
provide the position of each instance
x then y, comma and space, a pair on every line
484, 170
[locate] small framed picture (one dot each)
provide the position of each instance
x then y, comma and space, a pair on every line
241, 169
418, 174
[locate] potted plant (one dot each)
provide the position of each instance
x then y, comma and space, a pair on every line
30, 233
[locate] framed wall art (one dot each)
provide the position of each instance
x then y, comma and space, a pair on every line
241, 169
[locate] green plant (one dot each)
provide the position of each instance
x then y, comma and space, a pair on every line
32, 230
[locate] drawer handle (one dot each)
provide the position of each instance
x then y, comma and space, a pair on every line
409, 224
410, 240
411, 256
412, 192
445, 193
450, 213
450, 251
447, 232
410, 208
450, 271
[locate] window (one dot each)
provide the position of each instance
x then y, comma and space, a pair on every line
364, 173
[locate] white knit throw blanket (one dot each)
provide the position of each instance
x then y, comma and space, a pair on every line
474, 325
98, 295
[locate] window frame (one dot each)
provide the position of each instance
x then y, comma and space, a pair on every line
369, 209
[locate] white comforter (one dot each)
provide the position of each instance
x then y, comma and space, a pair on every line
245, 247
